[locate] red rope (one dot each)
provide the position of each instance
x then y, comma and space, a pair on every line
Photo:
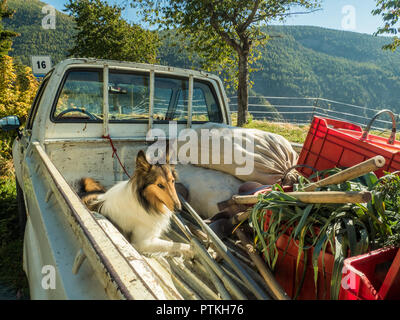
116, 154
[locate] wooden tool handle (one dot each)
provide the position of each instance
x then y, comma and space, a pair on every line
316, 197
275, 288
239, 217
356, 171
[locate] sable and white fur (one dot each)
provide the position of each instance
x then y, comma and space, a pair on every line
140, 207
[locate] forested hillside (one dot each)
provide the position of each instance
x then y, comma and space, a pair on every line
344, 66
35, 40
302, 62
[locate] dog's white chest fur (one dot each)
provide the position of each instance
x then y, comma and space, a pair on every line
121, 205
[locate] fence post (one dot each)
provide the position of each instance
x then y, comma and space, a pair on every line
314, 108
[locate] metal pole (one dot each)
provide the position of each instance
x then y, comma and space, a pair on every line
225, 253
105, 101
314, 107
190, 101
208, 262
151, 99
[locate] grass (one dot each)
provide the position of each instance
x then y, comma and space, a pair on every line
11, 242
293, 133
289, 131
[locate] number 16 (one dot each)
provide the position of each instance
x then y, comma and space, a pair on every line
41, 64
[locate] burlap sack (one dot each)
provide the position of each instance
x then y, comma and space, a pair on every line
268, 156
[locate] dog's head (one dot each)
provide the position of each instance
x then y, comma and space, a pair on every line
155, 184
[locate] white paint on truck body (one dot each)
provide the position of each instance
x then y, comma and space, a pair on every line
49, 159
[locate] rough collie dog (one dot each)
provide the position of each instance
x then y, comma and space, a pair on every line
141, 207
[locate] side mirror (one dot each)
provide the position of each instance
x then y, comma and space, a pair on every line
10, 123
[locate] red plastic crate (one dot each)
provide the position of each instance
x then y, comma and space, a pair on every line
361, 273
372, 276
332, 143
285, 270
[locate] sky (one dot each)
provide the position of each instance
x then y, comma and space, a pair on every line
349, 15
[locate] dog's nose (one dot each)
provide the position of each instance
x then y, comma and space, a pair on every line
177, 206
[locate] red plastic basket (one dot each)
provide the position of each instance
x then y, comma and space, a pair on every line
285, 268
372, 276
332, 143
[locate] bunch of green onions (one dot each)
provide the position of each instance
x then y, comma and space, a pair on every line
348, 229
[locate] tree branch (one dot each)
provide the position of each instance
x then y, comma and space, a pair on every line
224, 35
263, 17
250, 18
303, 12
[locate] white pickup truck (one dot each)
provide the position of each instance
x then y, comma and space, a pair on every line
72, 253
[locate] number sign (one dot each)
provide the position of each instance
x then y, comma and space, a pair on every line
41, 65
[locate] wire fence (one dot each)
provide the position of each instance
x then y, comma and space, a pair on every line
300, 111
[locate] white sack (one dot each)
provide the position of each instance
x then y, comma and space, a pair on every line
272, 153
207, 188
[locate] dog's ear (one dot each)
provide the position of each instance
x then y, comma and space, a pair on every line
141, 161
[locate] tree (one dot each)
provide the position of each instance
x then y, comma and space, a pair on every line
224, 32
6, 36
390, 12
104, 34
18, 87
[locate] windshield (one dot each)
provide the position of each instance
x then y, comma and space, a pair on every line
81, 98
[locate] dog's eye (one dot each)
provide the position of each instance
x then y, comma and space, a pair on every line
160, 186
173, 181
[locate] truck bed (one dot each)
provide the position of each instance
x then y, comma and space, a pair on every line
106, 264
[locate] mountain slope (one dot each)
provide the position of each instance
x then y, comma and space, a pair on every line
317, 62
303, 62
35, 40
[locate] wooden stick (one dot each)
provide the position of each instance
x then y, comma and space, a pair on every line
239, 217
225, 204
356, 171
316, 197
275, 288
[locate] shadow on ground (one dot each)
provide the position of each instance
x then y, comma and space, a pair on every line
13, 282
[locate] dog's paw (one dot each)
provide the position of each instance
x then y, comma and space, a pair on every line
188, 252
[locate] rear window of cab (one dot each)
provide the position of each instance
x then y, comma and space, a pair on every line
80, 98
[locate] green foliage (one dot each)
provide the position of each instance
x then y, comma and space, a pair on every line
103, 33
11, 243
6, 36
389, 188
33, 39
390, 12
347, 229
338, 65
225, 34
297, 61
216, 30
9, 222
17, 89
301, 61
